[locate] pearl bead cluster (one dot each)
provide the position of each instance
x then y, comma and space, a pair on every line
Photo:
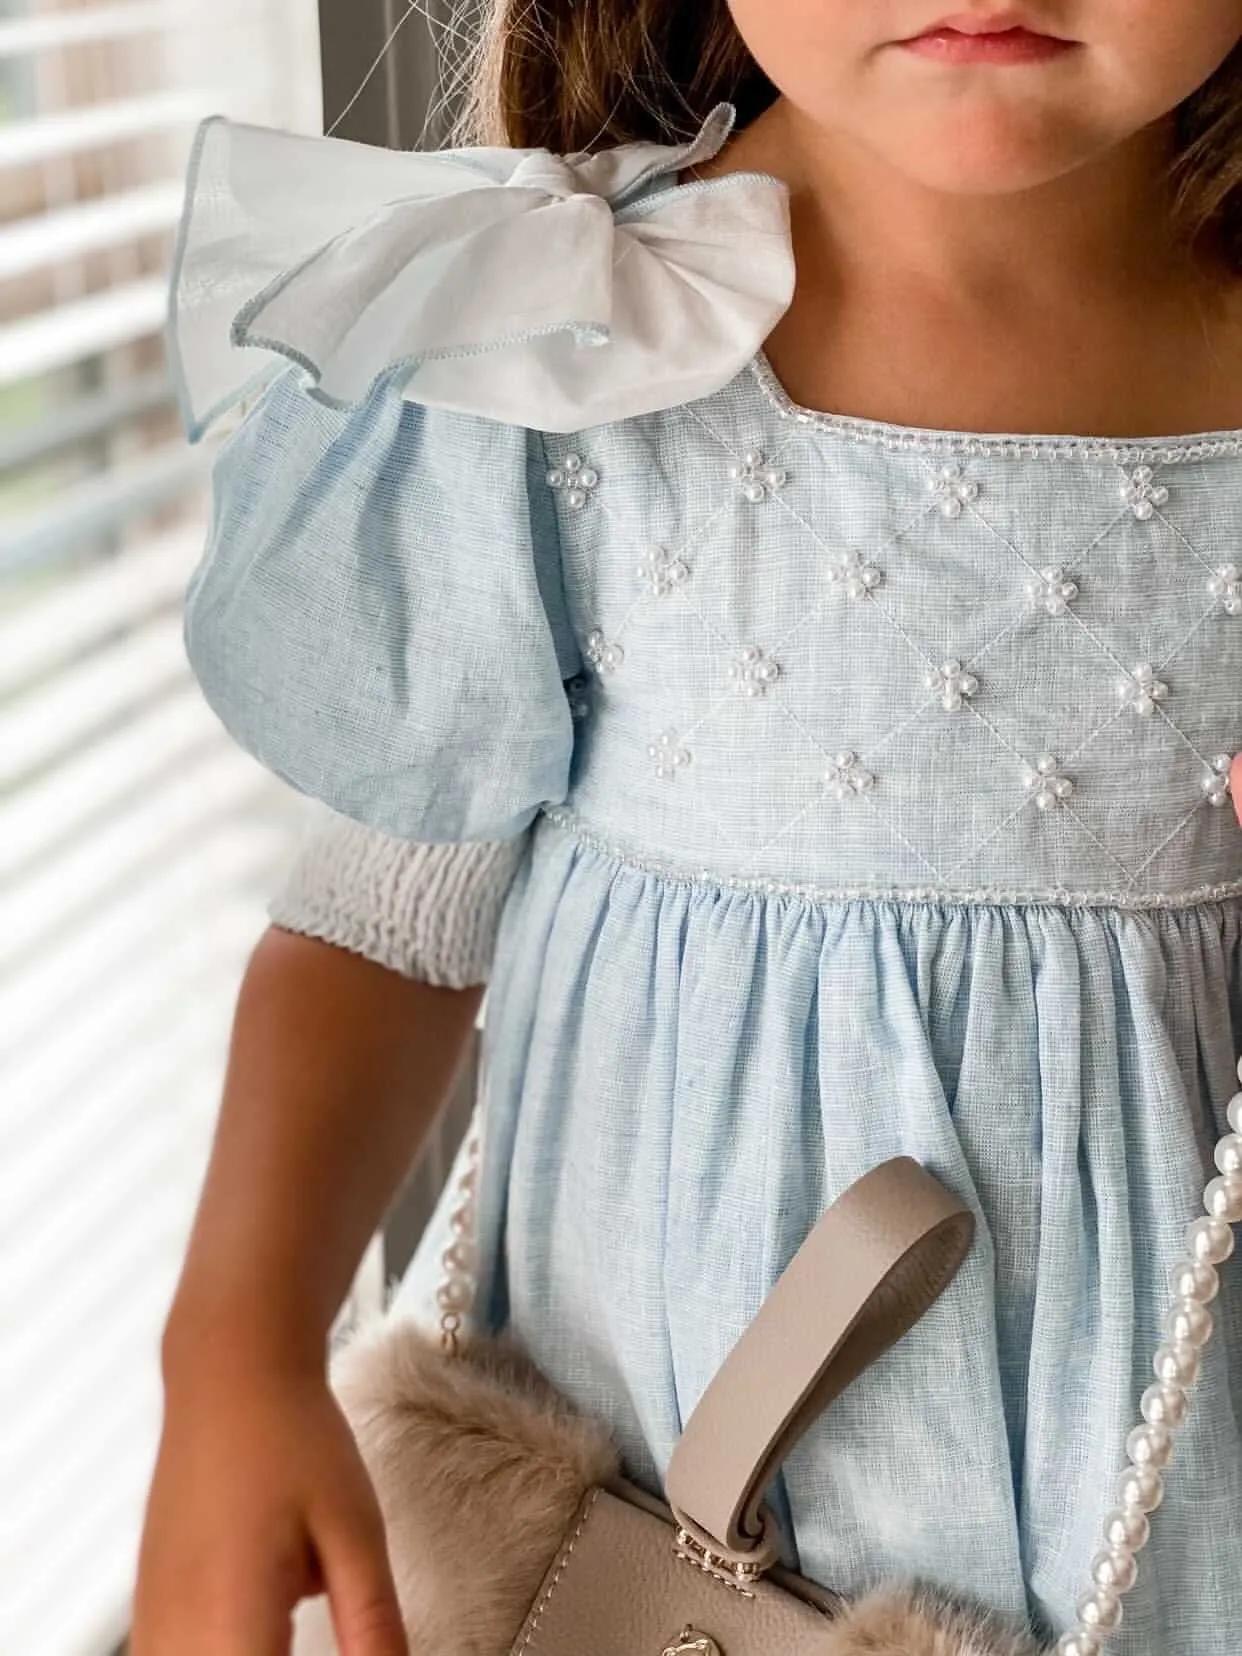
1216, 784
953, 684
660, 572
668, 754
952, 491
602, 655
846, 778
576, 478
1047, 784
852, 571
752, 672
1142, 690
1226, 587
1142, 494
756, 478
1165, 1405
460, 1259
1052, 591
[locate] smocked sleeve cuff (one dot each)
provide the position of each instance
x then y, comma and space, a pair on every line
429, 912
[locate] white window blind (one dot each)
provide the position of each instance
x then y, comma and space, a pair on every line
137, 845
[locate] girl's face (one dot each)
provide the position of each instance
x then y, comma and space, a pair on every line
982, 96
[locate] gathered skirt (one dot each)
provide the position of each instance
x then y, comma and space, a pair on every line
680, 1077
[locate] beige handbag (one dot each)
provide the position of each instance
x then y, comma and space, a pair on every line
513, 1531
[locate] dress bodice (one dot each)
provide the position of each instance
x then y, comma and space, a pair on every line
858, 660
822, 653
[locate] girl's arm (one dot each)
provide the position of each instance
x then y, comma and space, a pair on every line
337, 1069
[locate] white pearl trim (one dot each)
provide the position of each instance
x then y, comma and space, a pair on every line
458, 1289
660, 572
1166, 1405
761, 885
859, 577
1015, 446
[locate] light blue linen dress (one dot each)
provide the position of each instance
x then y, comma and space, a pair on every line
875, 800
799, 897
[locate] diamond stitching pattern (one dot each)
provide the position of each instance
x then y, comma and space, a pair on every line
848, 766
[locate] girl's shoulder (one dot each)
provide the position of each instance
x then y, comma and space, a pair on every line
545, 291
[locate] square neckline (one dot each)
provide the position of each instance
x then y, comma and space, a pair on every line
1170, 448
889, 434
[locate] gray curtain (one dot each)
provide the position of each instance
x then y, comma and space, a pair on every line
396, 109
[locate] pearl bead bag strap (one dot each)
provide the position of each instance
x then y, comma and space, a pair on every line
1194, 1281
874, 1263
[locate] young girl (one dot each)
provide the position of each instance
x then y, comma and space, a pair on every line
852, 779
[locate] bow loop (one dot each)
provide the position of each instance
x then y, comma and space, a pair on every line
360, 263
541, 170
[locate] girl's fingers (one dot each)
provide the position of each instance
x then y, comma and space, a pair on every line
354, 1558
1235, 785
365, 1612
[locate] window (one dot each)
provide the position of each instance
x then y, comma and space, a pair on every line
137, 845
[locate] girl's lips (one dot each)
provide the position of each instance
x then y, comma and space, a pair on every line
947, 45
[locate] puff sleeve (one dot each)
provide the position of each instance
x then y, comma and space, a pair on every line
378, 614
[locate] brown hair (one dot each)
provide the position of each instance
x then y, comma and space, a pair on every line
572, 75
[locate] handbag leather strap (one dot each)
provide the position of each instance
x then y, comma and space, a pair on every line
877, 1259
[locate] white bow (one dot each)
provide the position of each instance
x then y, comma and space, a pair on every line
555, 293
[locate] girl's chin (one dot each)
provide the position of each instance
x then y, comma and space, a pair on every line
983, 157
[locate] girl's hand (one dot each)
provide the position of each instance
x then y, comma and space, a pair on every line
259, 1498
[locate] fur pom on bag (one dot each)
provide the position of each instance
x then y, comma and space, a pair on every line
479, 1465
915, 1621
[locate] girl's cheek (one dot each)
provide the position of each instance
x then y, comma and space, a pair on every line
1235, 785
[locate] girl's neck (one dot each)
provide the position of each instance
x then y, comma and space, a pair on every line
1070, 308
1109, 224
